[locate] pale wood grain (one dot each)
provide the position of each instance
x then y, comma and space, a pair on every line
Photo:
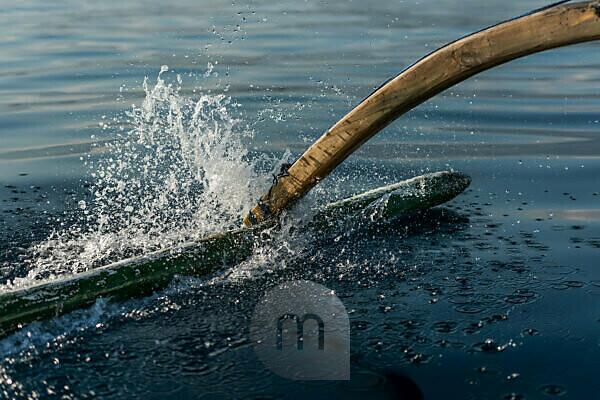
545, 29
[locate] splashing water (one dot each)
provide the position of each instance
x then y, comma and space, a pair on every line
180, 173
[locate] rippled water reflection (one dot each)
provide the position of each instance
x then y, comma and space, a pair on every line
495, 296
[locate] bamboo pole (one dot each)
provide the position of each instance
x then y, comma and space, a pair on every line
143, 275
544, 29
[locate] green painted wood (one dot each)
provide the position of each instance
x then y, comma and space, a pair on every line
144, 275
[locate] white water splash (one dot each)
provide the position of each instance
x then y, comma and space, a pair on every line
180, 173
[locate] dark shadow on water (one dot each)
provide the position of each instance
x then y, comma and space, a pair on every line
400, 386
385, 385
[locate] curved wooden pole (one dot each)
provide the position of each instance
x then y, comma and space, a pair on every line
548, 28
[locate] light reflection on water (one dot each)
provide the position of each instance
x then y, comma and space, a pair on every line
66, 65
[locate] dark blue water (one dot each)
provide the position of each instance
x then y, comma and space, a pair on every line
495, 296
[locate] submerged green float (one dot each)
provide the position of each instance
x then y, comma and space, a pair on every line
143, 275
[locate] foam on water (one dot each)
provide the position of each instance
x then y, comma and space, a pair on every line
181, 172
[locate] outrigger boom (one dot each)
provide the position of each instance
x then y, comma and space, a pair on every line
558, 25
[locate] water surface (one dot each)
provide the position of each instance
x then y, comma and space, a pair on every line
495, 296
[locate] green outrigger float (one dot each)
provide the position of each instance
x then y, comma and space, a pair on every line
143, 275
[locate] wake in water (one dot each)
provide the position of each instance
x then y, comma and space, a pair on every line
180, 173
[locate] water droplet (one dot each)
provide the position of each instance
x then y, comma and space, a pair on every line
553, 390
513, 376
530, 332
514, 396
